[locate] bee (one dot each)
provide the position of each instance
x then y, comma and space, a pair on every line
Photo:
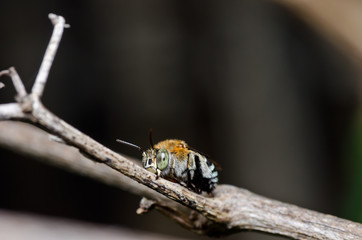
174, 160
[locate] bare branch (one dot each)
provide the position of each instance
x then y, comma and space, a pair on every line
59, 25
237, 208
230, 209
34, 142
31, 141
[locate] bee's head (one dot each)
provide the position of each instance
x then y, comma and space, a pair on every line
155, 159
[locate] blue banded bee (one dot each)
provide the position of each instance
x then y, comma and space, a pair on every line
174, 160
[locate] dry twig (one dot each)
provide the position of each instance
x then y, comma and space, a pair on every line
230, 209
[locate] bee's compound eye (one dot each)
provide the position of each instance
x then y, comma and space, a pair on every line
162, 159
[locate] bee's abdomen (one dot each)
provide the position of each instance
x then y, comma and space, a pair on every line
204, 176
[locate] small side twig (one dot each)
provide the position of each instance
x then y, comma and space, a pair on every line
59, 25
18, 84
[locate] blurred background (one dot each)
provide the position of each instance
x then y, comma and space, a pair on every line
251, 83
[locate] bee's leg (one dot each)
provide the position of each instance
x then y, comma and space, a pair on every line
197, 189
158, 173
189, 180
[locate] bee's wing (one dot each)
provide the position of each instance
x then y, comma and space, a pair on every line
216, 164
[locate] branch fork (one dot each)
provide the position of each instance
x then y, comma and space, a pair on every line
25, 100
230, 209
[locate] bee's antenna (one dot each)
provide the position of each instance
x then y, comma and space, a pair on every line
151, 142
130, 144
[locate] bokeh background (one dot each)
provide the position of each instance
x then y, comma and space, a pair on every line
274, 101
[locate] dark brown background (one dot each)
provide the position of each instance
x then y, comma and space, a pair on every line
245, 81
